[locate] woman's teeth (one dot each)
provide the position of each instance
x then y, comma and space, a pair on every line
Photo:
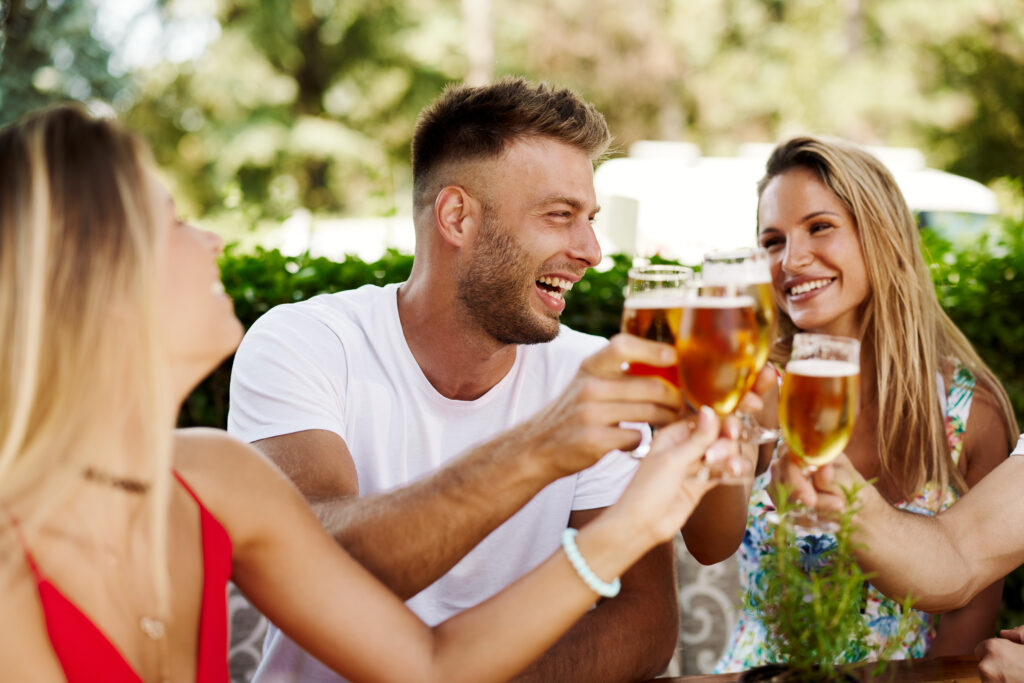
808, 286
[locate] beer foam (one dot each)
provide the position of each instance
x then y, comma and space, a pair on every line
819, 367
742, 301
655, 301
748, 272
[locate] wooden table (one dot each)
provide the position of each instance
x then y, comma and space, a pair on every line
939, 670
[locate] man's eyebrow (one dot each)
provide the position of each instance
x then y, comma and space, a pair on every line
561, 199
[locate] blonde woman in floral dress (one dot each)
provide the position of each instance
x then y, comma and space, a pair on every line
933, 420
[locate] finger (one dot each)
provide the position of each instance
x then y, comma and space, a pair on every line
629, 388
628, 348
731, 427
788, 471
611, 414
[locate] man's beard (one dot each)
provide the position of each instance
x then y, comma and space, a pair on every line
493, 289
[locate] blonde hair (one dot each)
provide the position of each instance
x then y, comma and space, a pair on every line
902, 324
79, 361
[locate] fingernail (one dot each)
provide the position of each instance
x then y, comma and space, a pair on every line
716, 452
707, 417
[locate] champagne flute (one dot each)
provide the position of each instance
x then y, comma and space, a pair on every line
749, 270
818, 405
652, 309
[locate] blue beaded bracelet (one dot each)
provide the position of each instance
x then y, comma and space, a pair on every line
602, 588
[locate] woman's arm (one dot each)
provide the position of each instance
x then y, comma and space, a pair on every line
294, 573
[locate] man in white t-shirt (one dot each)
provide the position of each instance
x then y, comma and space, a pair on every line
378, 402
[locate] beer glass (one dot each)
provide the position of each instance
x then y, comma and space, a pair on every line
818, 403
717, 344
651, 310
748, 269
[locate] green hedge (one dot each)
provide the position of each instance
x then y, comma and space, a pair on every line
981, 287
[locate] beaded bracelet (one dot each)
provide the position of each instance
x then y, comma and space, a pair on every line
602, 588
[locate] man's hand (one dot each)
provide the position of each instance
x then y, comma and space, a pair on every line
1002, 659
582, 424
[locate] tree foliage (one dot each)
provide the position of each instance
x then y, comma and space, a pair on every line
48, 53
307, 103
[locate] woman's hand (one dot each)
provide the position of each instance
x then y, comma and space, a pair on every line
672, 479
821, 490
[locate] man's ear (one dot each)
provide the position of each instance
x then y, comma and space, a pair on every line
456, 215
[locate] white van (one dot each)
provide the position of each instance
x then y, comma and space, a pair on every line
667, 199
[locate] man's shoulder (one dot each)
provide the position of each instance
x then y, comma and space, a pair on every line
333, 309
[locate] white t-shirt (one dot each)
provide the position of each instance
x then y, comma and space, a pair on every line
1019, 450
340, 362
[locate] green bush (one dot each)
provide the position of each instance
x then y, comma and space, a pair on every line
981, 287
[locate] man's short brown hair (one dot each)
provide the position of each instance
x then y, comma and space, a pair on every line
467, 123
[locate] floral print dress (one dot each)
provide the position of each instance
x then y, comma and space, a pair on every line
748, 644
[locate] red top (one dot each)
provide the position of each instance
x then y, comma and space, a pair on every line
84, 652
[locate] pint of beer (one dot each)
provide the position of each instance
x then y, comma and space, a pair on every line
718, 345
819, 397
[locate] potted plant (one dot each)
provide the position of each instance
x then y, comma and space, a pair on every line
814, 613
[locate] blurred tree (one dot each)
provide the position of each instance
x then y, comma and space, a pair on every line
48, 53
980, 69
305, 103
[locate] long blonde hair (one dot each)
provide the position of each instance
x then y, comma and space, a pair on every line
902, 324
79, 361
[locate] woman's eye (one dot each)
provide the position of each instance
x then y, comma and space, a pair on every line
770, 242
818, 227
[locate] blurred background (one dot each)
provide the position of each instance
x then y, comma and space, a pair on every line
261, 111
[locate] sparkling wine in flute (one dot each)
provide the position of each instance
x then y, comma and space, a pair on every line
718, 346
655, 318
818, 406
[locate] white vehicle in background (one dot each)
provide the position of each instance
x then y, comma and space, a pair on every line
667, 199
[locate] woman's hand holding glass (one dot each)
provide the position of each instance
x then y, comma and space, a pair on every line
818, 405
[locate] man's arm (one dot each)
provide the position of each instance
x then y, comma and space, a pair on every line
942, 561
412, 536
630, 637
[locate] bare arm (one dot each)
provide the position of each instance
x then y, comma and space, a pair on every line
337, 611
440, 518
630, 637
943, 561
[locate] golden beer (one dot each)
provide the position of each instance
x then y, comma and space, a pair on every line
655, 318
817, 407
718, 347
767, 320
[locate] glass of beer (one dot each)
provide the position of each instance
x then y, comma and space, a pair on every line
818, 402
654, 299
717, 344
748, 270
653, 306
